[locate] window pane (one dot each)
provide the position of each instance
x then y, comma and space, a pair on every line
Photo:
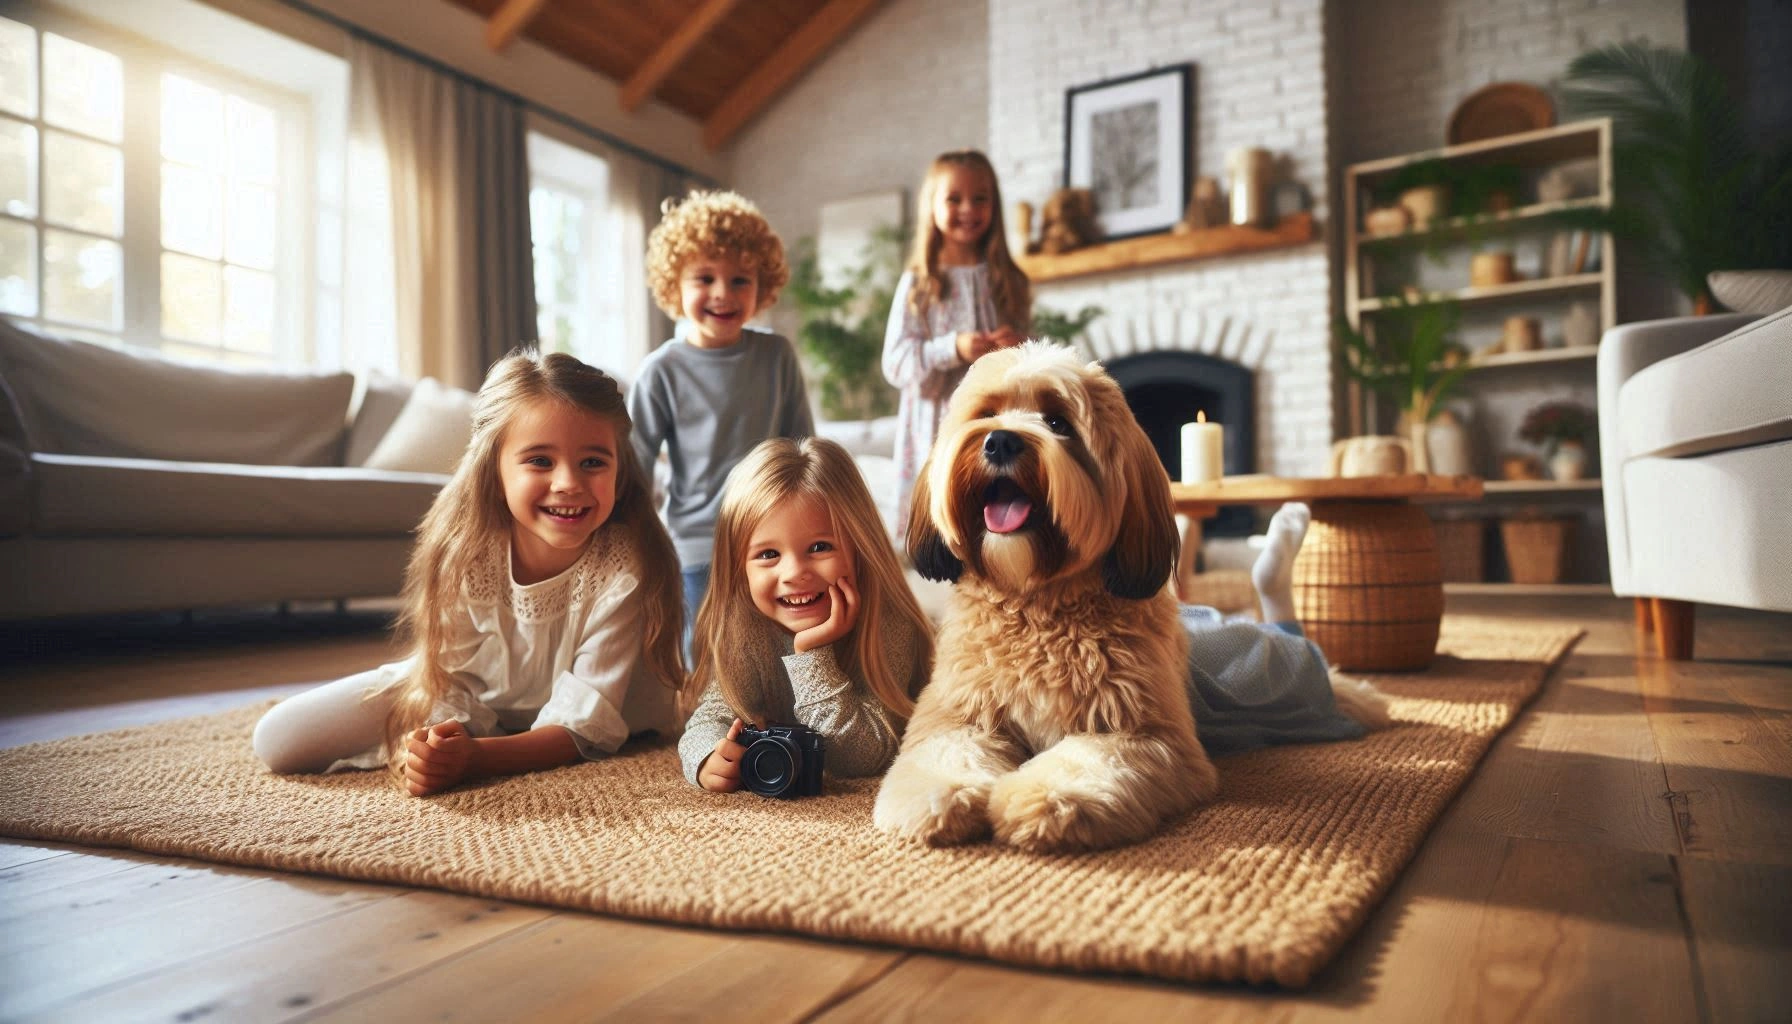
18, 168
253, 142
329, 249
192, 211
248, 310
192, 123
83, 184
81, 279
18, 68
249, 229
18, 268
192, 298
83, 88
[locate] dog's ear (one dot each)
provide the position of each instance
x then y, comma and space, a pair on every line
926, 548
1144, 551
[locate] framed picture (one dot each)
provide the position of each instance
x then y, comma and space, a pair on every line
1126, 140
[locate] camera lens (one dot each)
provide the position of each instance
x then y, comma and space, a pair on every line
770, 765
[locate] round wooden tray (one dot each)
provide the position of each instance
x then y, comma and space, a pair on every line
1503, 108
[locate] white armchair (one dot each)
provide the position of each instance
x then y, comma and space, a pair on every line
1695, 425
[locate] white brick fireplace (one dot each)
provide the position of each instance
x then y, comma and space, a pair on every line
1259, 80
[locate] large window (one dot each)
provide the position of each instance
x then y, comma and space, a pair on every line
577, 300
151, 200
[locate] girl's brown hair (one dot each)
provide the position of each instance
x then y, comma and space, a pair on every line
1008, 284
470, 519
778, 471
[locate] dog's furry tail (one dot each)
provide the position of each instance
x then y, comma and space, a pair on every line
1358, 699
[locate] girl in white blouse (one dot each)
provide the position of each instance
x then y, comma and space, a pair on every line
960, 297
808, 619
542, 605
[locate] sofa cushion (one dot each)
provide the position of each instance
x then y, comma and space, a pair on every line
78, 398
431, 432
1727, 393
378, 402
79, 495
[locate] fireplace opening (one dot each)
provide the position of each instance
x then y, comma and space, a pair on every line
1166, 389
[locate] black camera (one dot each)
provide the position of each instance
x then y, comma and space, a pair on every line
782, 760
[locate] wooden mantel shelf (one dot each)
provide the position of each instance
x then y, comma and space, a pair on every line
1151, 250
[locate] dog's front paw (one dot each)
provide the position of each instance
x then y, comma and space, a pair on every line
931, 809
1030, 813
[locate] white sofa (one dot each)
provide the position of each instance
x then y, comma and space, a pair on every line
1695, 423
130, 482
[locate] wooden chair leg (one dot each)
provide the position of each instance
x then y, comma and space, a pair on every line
1645, 615
1673, 628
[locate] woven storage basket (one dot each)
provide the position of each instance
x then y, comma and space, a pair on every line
1462, 548
1229, 590
1368, 585
1536, 549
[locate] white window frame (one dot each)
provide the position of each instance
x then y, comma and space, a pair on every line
144, 62
600, 310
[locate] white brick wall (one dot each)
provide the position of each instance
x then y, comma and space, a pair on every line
1408, 63
907, 85
1259, 80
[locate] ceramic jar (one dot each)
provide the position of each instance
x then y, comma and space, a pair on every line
1580, 328
1425, 204
1488, 268
1521, 334
1569, 461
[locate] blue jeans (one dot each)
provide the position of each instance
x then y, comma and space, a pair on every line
696, 583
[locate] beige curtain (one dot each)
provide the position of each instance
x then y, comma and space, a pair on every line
637, 188
457, 180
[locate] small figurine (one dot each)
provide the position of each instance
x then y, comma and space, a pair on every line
1068, 220
1206, 208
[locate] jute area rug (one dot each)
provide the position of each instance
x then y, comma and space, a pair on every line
1264, 885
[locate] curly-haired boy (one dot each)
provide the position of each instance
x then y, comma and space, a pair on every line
717, 390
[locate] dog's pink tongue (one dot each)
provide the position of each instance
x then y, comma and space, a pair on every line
1006, 516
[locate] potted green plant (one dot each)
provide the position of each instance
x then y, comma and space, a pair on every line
1562, 430
1412, 359
1063, 328
842, 332
1695, 189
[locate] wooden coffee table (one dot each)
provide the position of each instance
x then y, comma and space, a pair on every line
1368, 583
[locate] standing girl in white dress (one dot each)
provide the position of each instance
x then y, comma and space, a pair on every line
542, 604
960, 297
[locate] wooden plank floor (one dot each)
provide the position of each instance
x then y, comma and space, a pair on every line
1624, 853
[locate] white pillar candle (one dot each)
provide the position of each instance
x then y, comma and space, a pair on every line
1203, 450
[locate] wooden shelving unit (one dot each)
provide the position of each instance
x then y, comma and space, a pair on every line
1546, 355
1152, 250
1491, 293
1531, 153
1541, 487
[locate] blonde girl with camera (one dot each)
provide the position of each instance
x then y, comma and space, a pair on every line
542, 604
808, 619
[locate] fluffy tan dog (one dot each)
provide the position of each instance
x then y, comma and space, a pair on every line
1058, 712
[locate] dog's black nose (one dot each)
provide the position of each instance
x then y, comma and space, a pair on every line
1001, 447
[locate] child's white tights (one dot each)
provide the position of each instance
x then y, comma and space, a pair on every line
311, 731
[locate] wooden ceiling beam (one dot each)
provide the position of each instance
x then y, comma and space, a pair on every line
508, 22
804, 47
672, 52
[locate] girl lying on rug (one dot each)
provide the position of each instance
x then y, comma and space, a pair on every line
542, 604
808, 619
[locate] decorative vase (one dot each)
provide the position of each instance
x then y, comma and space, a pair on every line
1490, 268
1580, 328
1448, 446
1569, 461
1418, 432
1425, 204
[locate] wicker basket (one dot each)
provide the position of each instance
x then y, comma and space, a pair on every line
1537, 549
1368, 585
1462, 547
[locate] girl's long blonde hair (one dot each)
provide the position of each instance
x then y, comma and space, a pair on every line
1008, 284
778, 471
469, 520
